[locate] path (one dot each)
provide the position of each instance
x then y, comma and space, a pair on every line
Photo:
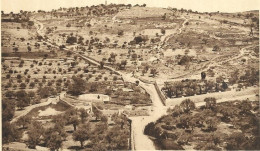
166, 38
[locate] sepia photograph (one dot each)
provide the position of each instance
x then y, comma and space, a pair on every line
101, 75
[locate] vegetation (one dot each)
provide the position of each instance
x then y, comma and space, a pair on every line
219, 51
206, 127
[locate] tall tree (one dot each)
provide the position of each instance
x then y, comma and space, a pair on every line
83, 114
78, 86
53, 139
82, 134
35, 132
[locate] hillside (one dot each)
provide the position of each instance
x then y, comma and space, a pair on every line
142, 12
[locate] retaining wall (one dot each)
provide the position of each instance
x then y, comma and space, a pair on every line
162, 97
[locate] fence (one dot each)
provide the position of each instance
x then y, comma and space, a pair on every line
96, 62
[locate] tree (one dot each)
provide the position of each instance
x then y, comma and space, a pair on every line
211, 123
8, 109
123, 63
115, 78
101, 65
77, 87
203, 75
23, 99
189, 92
178, 86
24, 121
74, 121
9, 94
97, 112
83, 114
163, 31
236, 141
71, 40
68, 25
245, 107
45, 92
8, 76
164, 16
9, 132
18, 76
149, 129
55, 141
29, 49
15, 49
209, 85
134, 56
224, 85
54, 137
154, 72
35, 132
216, 48
177, 111
210, 102
32, 85
187, 105
184, 121
219, 79
184, 60
120, 33
82, 134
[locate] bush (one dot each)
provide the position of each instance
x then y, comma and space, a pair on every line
71, 40
167, 144
149, 129
184, 60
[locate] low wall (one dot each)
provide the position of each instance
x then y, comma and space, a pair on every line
96, 62
132, 137
26, 111
162, 97
65, 102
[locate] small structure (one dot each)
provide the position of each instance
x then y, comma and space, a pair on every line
127, 90
94, 98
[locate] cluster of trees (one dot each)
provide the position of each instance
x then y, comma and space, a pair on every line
115, 138
22, 98
250, 77
191, 87
100, 136
21, 17
121, 65
9, 132
178, 127
45, 92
